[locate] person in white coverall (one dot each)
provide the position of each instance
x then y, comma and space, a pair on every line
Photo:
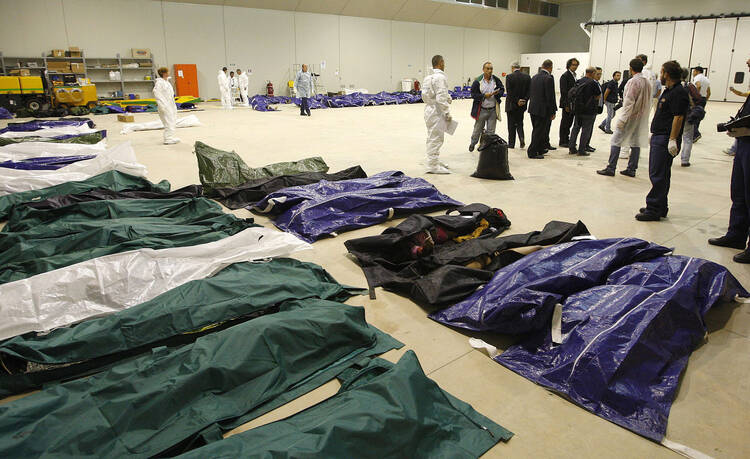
243, 82
437, 102
164, 95
225, 88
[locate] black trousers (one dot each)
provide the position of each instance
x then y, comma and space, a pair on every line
304, 108
739, 215
515, 124
539, 135
660, 173
566, 122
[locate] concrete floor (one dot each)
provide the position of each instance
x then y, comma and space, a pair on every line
710, 413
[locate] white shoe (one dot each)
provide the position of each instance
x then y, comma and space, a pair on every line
444, 165
171, 141
438, 169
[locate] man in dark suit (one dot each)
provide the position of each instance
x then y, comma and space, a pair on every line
518, 85
542, 108
567, 81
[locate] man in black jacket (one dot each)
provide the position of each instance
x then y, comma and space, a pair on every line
518, 86
586, 108
542, 109
567, 80
487, 92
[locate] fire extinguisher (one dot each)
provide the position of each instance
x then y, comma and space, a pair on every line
417, 86
269, 89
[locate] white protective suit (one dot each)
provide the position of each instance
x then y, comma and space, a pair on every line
632, 121
164, 95
225, 89
243, 81
437, 102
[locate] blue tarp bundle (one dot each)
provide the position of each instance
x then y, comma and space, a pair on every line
631, 314
313, 211
5, 114
261, 103
35, 125
48, 163
357, 99
461, 92
105, 109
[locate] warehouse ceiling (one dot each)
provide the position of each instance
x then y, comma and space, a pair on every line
444, 12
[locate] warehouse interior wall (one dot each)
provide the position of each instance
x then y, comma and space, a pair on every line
613, 10
567, 35
374, 54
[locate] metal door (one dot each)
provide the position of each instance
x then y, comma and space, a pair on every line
703, 40
682, 42
598, 43
646, 38
629, 45
612, 59
663, 44
721, 57
739, 77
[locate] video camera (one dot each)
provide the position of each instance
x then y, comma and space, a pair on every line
739, 122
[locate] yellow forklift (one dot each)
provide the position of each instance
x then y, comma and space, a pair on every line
39, 93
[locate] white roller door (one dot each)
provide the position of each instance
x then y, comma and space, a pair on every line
612, 59
629, 45
598, 43
646, 39
721, 57
663, 44
739, 61
682, 42
703, 40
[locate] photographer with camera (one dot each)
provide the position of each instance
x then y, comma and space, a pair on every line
739, 215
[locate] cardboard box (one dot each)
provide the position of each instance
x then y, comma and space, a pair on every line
140, 52
74, 51
58, 67
77, 67
57, 53
20, 72
126, 118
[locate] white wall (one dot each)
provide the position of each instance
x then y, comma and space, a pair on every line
611, 10
367, 53
567, 34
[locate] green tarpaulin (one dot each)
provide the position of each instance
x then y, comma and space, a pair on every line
239, 292
167, 399
110, 180
94, 137
223, 169
36, 241
381, 411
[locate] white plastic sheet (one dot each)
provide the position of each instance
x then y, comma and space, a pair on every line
115, 282
120, 158
188, 121
28, 150
51, 132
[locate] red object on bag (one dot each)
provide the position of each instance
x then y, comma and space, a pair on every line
269, 89
417, 86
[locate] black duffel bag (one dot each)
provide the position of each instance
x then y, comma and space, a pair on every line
493, 158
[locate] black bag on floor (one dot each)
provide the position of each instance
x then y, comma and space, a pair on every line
493, 158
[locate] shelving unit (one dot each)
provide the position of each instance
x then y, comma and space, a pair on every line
12, 63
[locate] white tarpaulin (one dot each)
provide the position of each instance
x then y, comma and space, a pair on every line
115, 282
120, 158
188, 121
28, 150
51, 132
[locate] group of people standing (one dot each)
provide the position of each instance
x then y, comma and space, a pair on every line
679, 106
229, 82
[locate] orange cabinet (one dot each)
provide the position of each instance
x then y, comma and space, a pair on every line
186, 79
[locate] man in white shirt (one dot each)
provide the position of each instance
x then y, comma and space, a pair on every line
437, 102
704, 87
486, 91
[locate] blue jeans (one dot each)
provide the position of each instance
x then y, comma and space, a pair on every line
607, 122
687, 143
614, 154
584, 124
660, 173
739, 214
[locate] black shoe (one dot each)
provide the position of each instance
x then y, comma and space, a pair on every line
523, 145
644, 210
536, 157
573, 151
685, 164
628, 172
550, 147
601, 128
608, 131
590, 149
726, 241
742, 257
510, 146
563, 144
607, 172
471, 147
584, 153
648, 216
545, 151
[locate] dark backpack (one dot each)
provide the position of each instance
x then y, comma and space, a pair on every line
575, 96
493, 158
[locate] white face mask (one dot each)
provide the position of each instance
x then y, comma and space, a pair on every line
169, 78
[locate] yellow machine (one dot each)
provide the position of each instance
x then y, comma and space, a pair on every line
33, 93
